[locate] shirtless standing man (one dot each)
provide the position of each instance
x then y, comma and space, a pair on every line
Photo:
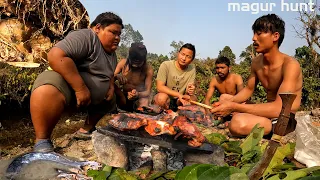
135, 76
227, 84
277, 72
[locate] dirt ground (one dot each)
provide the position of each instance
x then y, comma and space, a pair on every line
17, 132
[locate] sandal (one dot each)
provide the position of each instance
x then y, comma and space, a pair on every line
43, 145
83, 135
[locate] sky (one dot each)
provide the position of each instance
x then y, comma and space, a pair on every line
208, 24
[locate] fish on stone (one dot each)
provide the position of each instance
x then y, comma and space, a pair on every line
52, 160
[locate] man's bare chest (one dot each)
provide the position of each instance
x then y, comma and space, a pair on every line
227, 87
135, 77
270, 79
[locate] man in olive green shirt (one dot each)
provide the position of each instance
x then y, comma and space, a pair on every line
175, 79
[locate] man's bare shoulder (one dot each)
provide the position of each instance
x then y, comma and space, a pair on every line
235, 76
213, 80
290, 62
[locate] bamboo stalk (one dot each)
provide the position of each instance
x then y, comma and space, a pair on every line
200, 104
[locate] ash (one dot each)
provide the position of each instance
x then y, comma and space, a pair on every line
140, 155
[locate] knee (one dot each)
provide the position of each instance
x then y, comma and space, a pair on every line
143, 102
47, 93
161, 99
236, 126
225, 97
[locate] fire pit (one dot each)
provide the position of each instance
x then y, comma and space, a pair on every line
168, 141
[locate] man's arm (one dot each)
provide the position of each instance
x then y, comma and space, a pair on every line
239, 83
65, 66
162, 88
272, 109
246, 92
190, 90
119, 67
148, 83
210, 91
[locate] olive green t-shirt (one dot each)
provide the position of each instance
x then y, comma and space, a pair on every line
175, 78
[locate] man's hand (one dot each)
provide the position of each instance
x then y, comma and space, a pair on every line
83, 96
190, 89
222, 109
109, 94
121, 79
133, 94
184, 99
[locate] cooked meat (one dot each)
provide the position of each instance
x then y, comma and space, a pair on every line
196, 114
189, 131
158, 127
151, 109
128, 121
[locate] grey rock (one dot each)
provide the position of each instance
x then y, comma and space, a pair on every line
159, 159
109, 150
216, 158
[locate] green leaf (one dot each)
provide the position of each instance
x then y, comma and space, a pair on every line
292, 175
232, 146
250, 156
252, 141
284, 167
216, 138
155, 175
142, 172
247, 167
171, 174
278, 157
100, 175
210, 172
121, 174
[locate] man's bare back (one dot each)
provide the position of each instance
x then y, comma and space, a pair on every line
271, 77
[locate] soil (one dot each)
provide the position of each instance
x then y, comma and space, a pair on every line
17, 132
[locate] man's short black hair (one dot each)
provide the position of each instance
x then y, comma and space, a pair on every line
106, 19
272, 23
223, 60
190, 47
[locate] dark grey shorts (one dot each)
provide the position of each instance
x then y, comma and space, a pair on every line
55, 79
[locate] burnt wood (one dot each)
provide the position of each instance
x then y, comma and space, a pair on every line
166, 141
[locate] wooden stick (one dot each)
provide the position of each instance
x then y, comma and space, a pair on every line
200, 104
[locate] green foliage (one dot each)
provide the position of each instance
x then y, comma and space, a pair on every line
210, 172
16, 82
311, 77
176, 47
128, 36
100, 175
227, 52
